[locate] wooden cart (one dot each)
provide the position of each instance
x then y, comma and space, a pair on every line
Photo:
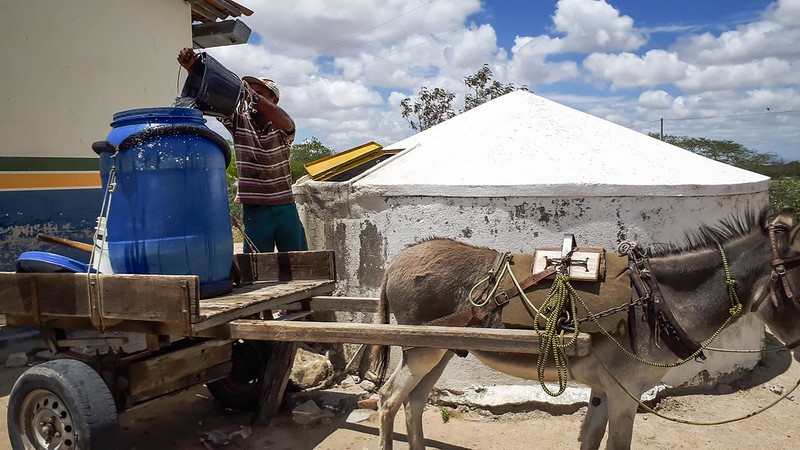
232, 342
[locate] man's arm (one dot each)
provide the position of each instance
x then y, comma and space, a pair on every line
270, 112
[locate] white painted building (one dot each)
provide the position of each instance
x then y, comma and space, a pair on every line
515, 174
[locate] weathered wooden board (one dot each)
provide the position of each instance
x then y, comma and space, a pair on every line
150, 298
176, 370
249, 300
311, 265
456, 338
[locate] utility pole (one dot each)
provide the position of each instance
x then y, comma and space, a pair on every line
662, 128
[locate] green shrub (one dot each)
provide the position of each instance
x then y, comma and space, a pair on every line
784, 192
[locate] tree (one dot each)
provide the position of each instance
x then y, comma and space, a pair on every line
784, 190
726, 151
309, 150
430, 108
485, 88
434, 106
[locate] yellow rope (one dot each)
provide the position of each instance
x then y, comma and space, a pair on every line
551, 340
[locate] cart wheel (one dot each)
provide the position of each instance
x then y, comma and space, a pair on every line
61, 404
239, 390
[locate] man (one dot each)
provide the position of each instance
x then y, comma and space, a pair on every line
262, 139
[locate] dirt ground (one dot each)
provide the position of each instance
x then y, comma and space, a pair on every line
180, 421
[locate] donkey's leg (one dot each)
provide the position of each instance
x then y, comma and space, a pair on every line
416, 401
621, 415
637, 379
594, 424
416, 363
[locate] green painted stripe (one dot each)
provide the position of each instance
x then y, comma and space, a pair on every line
47, 164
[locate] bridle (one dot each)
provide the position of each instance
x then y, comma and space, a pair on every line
781, 267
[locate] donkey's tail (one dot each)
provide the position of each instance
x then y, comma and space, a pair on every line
378, 355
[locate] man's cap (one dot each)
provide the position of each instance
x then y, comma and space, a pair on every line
266, 82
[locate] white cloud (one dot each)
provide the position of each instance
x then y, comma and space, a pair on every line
591, 25
776, 35
655, 99
767, 72
529, 63
313, 25
627, 70
471, 48
786, 12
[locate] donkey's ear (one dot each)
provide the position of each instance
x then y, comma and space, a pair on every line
792, 236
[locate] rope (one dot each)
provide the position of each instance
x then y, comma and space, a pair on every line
505, 267
693, 422
92, 278
736, 305
552, 308
240, 227
747, 350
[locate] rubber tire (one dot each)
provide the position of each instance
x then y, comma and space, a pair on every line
240, 389
83, 393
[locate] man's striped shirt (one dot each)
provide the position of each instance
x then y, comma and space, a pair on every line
262, 161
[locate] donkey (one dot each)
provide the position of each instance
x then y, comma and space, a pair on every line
433, 279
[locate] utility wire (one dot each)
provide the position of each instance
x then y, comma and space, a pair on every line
729, 116
305, 58
645, 123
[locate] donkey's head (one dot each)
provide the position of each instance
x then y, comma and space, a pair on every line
781, 309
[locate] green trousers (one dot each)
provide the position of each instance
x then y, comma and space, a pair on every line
271, 227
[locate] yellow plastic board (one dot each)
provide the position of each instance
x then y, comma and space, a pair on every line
329, 166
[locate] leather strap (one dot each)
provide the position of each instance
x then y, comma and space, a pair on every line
467, 315
472, 316
662, 320
527, 282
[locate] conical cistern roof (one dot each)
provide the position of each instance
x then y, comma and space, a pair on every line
522, 144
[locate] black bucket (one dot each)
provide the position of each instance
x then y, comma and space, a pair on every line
216, 90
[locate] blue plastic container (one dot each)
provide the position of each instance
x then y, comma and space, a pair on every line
45, 262
169, 213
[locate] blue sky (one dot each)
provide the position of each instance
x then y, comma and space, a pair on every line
721, 69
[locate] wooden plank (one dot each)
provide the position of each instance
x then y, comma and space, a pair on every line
311, 265
226, 7
155, 298
84, 323
456, 338
161, 374
201, 8
151, 298
185, 381
256, 298
349, 304
59, 294
274, 380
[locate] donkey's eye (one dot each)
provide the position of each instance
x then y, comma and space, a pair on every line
780, 228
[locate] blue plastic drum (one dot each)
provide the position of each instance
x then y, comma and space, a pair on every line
169, 213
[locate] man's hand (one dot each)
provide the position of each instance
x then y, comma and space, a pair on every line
186, 58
